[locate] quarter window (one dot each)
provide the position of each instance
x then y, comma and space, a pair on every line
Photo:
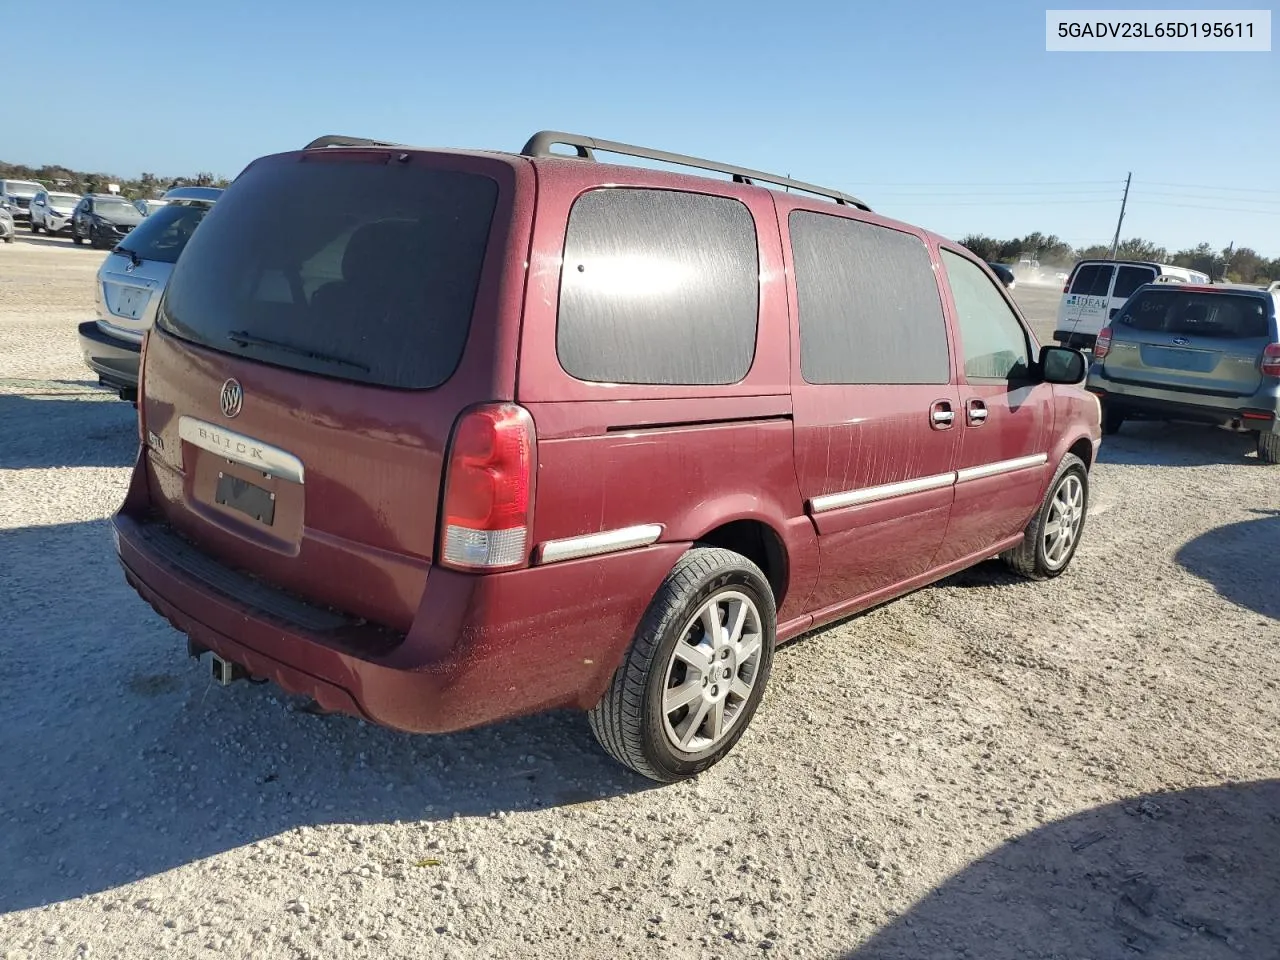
658, 287
992, 339
868, 303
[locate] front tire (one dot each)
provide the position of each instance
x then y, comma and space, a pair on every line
1052, 536
696, 669
1269, 447
31, 225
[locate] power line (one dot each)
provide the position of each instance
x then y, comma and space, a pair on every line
1205, 186
1198, 196
1195, 206
996, 193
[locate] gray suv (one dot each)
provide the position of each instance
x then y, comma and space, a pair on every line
1202, 353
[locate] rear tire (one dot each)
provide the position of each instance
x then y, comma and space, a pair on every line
1054, 533
1269, 447
696, 669
1112, 418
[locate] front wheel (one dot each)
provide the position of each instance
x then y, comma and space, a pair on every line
1052, 536
696, 669
32, 226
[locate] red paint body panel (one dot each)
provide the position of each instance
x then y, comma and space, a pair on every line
359, 534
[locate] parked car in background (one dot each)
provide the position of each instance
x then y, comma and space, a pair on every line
148, 207
394, 404
130, 283
1202, 353
17, 194
103, 219
1005, 274
1097, 289
51, 211
6, 225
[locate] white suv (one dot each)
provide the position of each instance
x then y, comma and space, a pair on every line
51, 212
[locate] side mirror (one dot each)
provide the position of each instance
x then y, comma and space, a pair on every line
1062, 365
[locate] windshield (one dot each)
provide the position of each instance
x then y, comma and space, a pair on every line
164, 234
21, 188
116, 209
1191, 313
63, 201
353, 270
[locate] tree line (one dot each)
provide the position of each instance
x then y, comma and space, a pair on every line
1237, 264
144, 187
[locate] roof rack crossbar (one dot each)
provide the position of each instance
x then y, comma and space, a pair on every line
540, 145
339, 140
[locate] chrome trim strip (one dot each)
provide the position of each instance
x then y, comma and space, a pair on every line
850, 498
594, 544
1001, 466
121, 333
246, 450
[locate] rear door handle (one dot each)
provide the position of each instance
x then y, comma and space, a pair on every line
977, 411
941, 416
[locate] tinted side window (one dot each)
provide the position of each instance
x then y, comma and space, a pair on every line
868, 305
1129, 279
658, 287
992, 339
1092, 280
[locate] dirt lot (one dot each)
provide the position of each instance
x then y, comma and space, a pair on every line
985, 769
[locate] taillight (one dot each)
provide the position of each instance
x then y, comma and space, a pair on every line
1271, 360
1066, 287
1102, 345
488, 489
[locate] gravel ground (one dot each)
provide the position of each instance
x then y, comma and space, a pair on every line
986, 769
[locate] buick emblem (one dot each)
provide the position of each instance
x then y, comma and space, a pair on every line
1180, 341
231, 397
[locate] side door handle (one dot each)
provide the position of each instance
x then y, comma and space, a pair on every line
941, 416
977, 412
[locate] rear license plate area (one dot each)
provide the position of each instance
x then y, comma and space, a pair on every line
249, 499
129, 302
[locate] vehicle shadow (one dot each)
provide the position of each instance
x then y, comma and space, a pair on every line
122, 759
1190, 874
62, 240
1155, 443
52, 426
1240, 561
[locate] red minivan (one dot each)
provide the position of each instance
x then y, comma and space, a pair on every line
440, 437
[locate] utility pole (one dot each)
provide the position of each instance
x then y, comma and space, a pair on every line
1227, 260
1115, 244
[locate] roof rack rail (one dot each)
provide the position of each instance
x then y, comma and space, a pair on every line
540, 144
338, 140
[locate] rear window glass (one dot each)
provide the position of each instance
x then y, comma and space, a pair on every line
1129, 279
1189, 313
1092, 280
868, 303
164, 234
658, 287
356, 270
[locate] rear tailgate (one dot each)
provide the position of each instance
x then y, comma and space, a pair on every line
1180, 338
320, 335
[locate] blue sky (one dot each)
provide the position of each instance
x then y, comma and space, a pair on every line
946, 114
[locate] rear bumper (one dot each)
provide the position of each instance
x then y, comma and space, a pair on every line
482, 648
1261, 411
115, 361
